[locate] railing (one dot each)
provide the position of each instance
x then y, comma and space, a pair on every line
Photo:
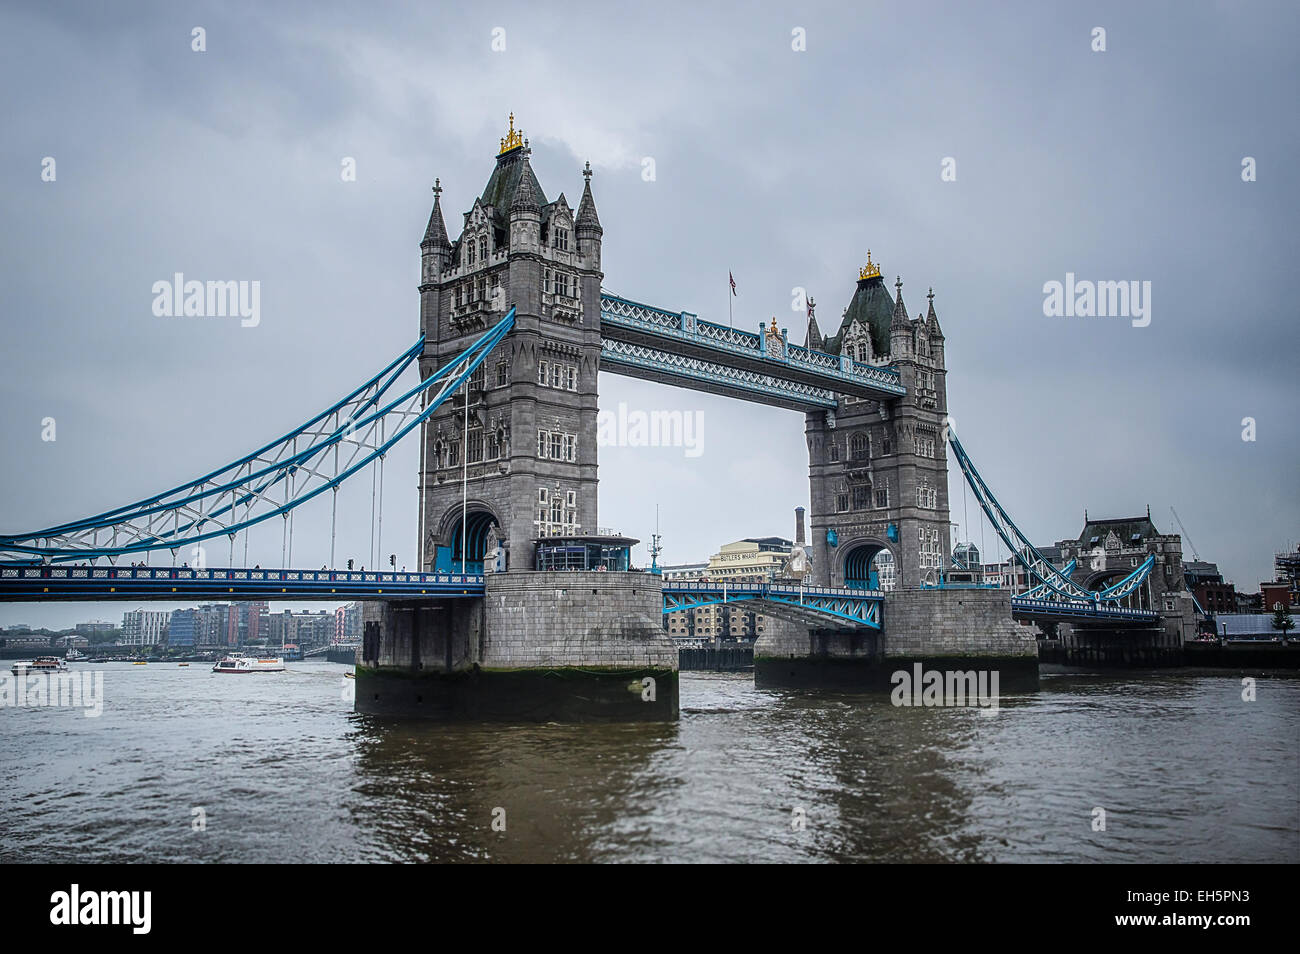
687, 327
1081, 609
220, 575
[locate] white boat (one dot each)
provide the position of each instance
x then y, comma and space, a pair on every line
74, 655
240, 663
39, 664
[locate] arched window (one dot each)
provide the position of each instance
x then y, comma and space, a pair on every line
482, 248
859, 446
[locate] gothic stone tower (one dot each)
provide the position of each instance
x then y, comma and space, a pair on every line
530, 447
879, 469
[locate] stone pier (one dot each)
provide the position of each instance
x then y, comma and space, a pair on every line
949, 629
539, 647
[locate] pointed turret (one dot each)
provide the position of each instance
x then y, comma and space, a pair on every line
435, 235
813, 338
587, 220
932, 320
526, 199
900, 321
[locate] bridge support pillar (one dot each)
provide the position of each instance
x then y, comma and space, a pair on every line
947, 630
538, 647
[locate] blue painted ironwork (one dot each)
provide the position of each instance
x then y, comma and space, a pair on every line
1039, 592
271, 481
667, 331
696, 372
861, 607
1038, 566
1077, 611
60, 582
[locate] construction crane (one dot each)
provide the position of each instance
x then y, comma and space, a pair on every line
1195, 556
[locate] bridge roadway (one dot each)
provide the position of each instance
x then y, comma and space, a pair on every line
1068, 611
850, 606
61, 582
57, 582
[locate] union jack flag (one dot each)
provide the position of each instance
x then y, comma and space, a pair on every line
731, 279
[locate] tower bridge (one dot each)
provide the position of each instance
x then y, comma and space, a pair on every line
497, 620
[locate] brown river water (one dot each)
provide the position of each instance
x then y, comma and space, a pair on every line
185, 765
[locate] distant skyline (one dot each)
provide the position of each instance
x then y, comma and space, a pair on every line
982, 151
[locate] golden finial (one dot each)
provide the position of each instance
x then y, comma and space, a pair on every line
772, 330
869, 270
513, 139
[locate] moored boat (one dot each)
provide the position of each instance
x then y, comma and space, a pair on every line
240, 663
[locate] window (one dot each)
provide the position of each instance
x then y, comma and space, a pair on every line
882, 497
841, 503
554, 375
926, 497
453, 453
478, 380
570, 498
541, 443
888, 445
859, 446
503, 374
482, 248
925, 446
474, 446
861, 498
571, 378
541, 372
562, 239
929, 548
547, 287
469, 252
494, 446
557, 446
570, 447
833, 451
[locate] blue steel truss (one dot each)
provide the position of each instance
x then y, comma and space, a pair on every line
677, 332
1038, 566
1040, 591
711, 375
861, 607
271, 481
1076, 611
22, 583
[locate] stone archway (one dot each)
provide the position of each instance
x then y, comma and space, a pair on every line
868, 564
478, 521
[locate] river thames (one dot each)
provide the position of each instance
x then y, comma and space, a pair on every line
277, 768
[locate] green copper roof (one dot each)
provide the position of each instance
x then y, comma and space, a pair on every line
873, 307
500, 190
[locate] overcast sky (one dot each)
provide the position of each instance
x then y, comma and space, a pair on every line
782, 166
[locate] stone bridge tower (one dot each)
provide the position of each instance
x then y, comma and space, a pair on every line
530, 448
879, 469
